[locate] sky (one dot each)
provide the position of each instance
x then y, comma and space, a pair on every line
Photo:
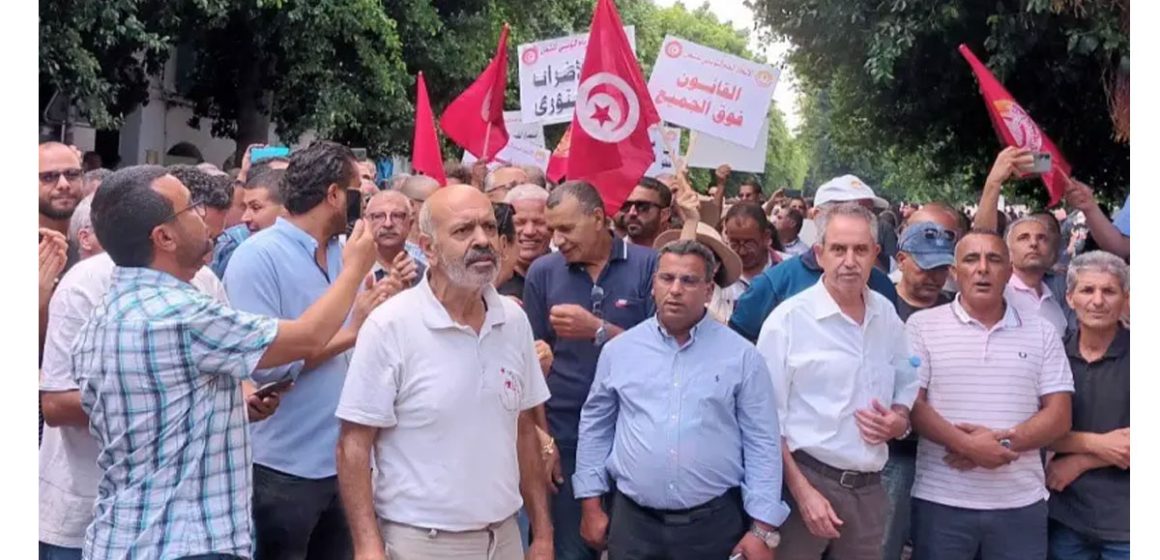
741, 17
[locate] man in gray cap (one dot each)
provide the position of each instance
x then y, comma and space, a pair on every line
926, 251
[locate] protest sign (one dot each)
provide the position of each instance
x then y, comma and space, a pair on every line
709, 152
533, 133
517, 152
710, 91
549, 75
664, 162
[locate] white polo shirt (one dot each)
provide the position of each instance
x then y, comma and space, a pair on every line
825, 367
989, 377
1043, 304
68, 455
447, 401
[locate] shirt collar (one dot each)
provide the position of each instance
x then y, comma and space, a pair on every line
435, 315
705, 319
618, 252
296, 234
143, 276
1017, 284
1116, 349
824, 306
810, 260
1010, 320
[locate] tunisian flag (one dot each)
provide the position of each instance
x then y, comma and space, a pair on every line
610, 146
1015, 127
558, 163
474, 120
425, 154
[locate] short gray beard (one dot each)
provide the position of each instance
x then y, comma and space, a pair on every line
460, 275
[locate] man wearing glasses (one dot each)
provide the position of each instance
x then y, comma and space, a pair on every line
61, 181
501, 180
577, 299
679, 417
388, 214
647, 211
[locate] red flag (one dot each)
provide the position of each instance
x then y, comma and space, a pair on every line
558, 164
610, 146
1015, 127
475, 119
425, 154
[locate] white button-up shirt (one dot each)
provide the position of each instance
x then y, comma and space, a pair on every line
825, 367
447, 401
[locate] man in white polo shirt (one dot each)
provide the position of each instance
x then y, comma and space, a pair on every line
996, 388
1032, 254
841, 373
441, 385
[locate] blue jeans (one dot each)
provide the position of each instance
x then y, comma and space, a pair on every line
298, 518
53, 552
1068, 544
897, 479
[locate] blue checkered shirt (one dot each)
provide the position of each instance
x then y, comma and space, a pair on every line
158, 364
224, 247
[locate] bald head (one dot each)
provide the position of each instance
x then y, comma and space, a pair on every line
419, 187
460, 237
61, 182
939, 214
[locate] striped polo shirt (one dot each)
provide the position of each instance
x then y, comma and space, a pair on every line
990, 377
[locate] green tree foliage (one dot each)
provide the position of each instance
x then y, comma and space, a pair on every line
889, 97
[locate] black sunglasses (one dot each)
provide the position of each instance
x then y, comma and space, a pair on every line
598, 301
642, 206
934, 234
53, 177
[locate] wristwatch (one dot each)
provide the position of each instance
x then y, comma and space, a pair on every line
1005, 442
771, 538
601, 334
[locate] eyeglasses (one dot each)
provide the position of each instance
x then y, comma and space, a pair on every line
751, 244
668, 278
597, 301
382, 216
934, 234
504, 187
197, 208
53, 177
642, 206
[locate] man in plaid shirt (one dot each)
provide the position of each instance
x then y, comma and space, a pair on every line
159, 367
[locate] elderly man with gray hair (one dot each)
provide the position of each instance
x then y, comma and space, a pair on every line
1090, 475
844, 385
532, 234
503, 179
80, 229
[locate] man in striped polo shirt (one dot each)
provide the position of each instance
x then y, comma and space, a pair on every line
995, 389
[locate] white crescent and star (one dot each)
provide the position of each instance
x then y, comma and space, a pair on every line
606, 117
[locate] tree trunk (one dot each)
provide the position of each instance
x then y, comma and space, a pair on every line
253, 110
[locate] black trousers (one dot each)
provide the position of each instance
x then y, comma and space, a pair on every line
705, 533
298, 518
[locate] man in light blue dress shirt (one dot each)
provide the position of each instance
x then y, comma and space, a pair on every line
680, 417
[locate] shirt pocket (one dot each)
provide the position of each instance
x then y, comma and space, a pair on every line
504, 387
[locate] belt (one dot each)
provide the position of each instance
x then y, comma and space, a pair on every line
731, 497
847, 479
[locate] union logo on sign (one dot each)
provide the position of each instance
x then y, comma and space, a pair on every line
1023, 130
530, 56
764, 78
673, 49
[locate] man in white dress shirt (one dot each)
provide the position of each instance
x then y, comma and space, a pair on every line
442, 385
844, 385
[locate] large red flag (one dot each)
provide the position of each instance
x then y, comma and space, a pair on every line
558, 163
1015, 127
425, 154
474, 120
610, 146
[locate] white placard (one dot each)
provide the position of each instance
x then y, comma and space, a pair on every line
709, 152
550, 74
533, 133
517, 152
664, 160
710, 91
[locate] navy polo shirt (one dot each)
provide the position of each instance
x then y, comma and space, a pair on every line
784, 281
626, 282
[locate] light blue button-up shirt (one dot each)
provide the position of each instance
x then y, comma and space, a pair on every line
676, 426
274, 273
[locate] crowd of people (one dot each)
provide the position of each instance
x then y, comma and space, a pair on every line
298, 359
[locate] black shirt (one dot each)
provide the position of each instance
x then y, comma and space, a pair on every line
514, 286
1096, 503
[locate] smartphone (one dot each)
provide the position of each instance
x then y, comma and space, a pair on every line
1042, 163
353, 206
360, 153
273, 387
267, 152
